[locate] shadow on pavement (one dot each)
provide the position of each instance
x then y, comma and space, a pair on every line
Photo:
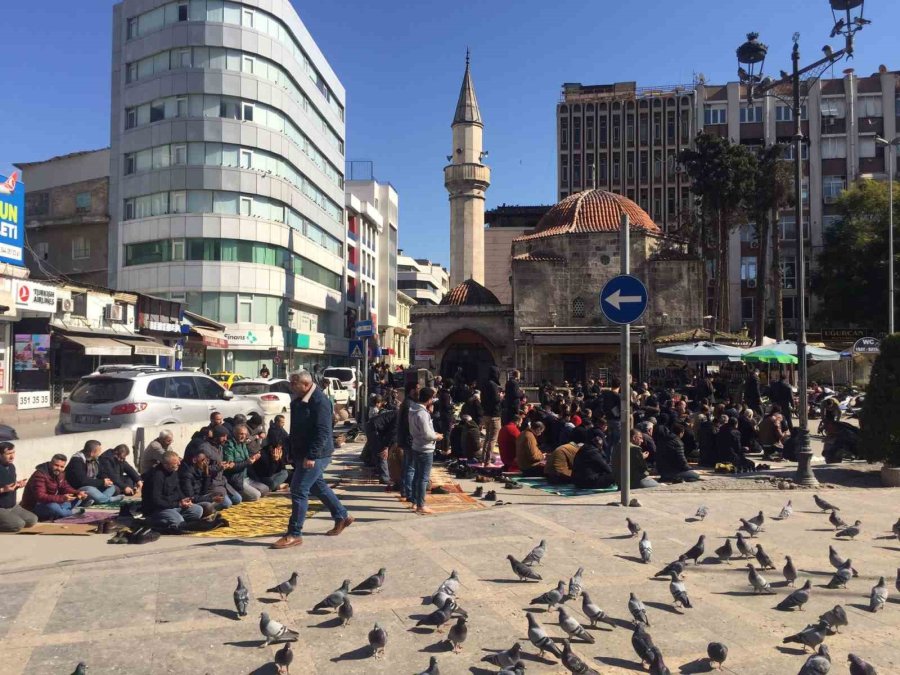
696, 666
224, 613
620, 663
357, 654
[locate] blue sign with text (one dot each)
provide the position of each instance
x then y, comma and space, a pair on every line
365, 328
623, 299
12, 219
357, 348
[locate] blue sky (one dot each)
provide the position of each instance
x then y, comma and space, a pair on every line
402, 61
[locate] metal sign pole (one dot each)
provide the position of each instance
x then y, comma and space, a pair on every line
363, 399
625, 388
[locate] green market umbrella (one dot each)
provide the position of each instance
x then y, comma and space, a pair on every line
768, 356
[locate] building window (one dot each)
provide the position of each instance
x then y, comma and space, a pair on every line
248, 64
131, 118
616, 171
81, 248
37, 203
645, 166
564, 133
784, 113
644, 130
131, 72
832, 108
829, 221
42, 250
670, 127
603, 170
752, 114
601, 130
576, 133
715, 115
248, 18
564, 170
129, 164
832, 186
179, 202
182, 11
83, 202
834, 147
578, 310
789, 272
630, 167
246, 206
788, 151
131, 28
128, 208
747, 308
589, 132
248, 112
178, 249
869, 106
576, 171
245, 309
179, 155
787, 228
748, 268
866, 146
157, 111
629, 129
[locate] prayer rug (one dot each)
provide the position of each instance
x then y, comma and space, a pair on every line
265, 517
564, 490
59, 527
114, 507
89, 517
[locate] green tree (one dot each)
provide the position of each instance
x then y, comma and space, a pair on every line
851, 273
880, 423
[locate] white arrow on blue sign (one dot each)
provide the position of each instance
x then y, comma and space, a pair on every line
623, 299
365, 328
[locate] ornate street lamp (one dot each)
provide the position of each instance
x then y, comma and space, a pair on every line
847, 21
751, 58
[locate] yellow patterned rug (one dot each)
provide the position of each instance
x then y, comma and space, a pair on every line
266, 517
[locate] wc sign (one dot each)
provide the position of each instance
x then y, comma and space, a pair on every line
12, 219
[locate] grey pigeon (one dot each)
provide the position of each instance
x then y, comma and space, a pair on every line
835, 618
642, 643
633, 526
749, 527
637, 609
702, 512
860, 667
645, 548
679, 592
450, 585
765, 562
822, 504
786, 511
553, 597
523, 571
432, 668
717, 653
796, 599
836, 520
677, 565
438, 599
695, 551
285, 588
439, 616
574, 664
373, 584
377, 641
841, 577
896, 529
283, 659
241, 599
758, 581
518, 669
848, 564
657, 665
334, 600
575, 587
811, 636
593, 612
725, 551
506, 659
834, 558
878, 596
789, 571
345, 611
852, 532
80, 669
536, 555
574, 629
759, 520
743, 546
274, 631
817, 664
539, 638
458, 633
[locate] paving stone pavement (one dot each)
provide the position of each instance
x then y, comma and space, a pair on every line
169, 610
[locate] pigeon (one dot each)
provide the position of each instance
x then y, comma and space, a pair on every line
553, 597
633, 526
539, 637
851, 531
439, 616
818, 663
575, 587
637, 609
678, 566
878, 596
345, 611
717, 653
574, 629
822, 504
458, 633
836, 520
432, 668
536, 555
758, 581
377, 641
765, 562
896, 528
505, 659
759, 519
840, 578
702, 512
241, 599
835, 618
860, 667
283, 659
834, 558
593, 612
679, 592
789, 571
811, 636
518, 669
334, 600
786, 511
695, 551
725, 551
657, 665
642, 643
523, 571
574, 664
80, 669
450, 585
744, 547
373, 584
285, 588
645, 548
438, 599
748, 527
796, 599
275, 632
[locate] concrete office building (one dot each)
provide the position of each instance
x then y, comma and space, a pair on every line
226, 175
424, 281
504, 224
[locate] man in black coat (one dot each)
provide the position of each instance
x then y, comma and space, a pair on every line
590, 470
728, 443
752, 394
162, 501
782, 394
115, 466
196, 482
512, 398
671, 463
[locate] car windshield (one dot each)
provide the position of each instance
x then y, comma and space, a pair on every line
246, 388
221, 377
343, 374
101, 390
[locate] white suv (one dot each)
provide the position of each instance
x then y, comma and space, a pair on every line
142, 397
347, 377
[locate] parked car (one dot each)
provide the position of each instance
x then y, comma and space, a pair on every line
273, 396
347, 376
132, 397
336, 391
227, 378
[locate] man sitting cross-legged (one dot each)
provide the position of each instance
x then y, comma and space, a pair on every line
163, 502
48, 495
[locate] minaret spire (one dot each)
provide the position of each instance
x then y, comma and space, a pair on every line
467, 105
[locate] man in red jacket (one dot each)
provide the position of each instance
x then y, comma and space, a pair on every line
48, 495
509, 432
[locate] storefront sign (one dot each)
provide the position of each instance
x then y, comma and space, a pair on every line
35, 297
255, 339
29, 400
424, 354
312, 341
156, 314
867, 345
12, 219
30, 352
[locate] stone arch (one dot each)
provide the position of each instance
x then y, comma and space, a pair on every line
469, 350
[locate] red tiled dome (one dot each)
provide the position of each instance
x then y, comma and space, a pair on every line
470, 292
591, 211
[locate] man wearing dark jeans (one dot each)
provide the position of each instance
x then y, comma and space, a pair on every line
12, 516
312, 445
404, 440
48, 495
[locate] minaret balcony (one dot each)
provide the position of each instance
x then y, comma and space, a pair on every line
469, 175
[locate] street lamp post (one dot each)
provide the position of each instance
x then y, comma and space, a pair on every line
890, 155
751, 57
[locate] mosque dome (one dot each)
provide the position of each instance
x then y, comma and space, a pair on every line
469, 292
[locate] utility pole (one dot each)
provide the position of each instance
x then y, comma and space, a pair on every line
625, 388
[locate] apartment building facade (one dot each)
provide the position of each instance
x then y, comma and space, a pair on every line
424, 281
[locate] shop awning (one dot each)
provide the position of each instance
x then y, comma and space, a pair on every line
210, 337
147, 347
98, 346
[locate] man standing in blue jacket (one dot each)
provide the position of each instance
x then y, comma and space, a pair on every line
312, 445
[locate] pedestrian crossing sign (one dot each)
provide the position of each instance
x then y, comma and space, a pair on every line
356, 349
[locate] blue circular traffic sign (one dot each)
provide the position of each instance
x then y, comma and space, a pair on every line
623, 299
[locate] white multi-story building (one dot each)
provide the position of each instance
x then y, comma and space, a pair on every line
425, 281
226, 174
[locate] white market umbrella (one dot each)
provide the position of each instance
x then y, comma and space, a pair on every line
812, 353
701, 351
